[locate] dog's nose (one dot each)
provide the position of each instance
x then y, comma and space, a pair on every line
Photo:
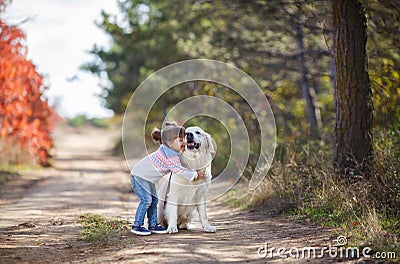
189, 136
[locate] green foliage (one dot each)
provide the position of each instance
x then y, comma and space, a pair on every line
82, 120
260, 38
142, 45
100, 122
384, 61
99, 229
77, 121
160, 34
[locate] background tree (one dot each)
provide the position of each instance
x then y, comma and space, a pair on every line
142, 43
286, 46
354, 108
261, 39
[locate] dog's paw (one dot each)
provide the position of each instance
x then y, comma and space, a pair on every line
209, 229
172, 229
183, 227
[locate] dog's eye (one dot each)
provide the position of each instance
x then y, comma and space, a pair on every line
197, 132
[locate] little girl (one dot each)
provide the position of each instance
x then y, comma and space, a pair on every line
148, 171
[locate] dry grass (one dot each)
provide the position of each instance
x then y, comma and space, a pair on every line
12, 160
365, 209
11, 153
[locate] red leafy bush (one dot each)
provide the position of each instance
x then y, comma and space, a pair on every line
25, 116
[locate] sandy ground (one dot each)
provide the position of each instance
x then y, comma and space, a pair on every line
40, 210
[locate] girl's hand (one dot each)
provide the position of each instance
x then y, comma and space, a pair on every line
201, 174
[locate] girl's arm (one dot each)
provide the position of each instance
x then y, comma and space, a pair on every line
185, 173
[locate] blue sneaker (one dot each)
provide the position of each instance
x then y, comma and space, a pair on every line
140, 230
158, 229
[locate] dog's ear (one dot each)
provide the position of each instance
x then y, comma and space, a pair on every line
210, 144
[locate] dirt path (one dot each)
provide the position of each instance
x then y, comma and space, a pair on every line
40, 209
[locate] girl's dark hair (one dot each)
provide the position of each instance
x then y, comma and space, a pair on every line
156, 135
168, 133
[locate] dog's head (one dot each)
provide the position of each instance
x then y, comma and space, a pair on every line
197, 139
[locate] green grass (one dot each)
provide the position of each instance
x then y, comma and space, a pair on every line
101, 230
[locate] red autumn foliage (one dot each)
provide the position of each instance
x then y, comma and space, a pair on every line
25, 116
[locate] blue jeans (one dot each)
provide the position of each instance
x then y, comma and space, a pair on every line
146, 191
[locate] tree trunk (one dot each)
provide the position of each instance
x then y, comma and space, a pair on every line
353, 149
313, 113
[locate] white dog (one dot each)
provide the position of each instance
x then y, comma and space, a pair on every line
183, 197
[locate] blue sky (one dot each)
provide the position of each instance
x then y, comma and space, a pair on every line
59, 34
